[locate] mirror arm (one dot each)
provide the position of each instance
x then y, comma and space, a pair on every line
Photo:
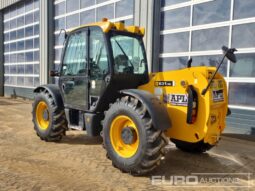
54, 73
207, 87
65, 34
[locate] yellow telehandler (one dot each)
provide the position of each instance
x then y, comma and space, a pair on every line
104, 88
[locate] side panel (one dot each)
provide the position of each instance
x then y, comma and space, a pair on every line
171, 87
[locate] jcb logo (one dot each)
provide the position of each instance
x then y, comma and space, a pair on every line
177, 99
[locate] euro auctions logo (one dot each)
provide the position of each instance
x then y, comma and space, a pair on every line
174, 180
205, 180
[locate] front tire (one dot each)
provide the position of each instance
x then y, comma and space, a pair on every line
130, 139
48, 117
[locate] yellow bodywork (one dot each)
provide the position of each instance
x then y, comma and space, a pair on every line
106, 26
211, 115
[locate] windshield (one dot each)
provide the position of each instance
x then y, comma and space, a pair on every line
128, 54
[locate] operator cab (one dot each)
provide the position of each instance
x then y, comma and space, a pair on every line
99, 60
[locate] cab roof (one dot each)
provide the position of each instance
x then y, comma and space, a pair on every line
106, 26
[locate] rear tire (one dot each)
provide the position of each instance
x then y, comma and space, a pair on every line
52, 125
150, 149
199, 147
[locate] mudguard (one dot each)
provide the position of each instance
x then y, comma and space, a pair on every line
54, 92
155, 107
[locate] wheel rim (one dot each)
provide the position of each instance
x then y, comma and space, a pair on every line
118, 126
42, 115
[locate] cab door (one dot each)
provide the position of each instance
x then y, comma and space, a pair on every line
74, 79
98, 66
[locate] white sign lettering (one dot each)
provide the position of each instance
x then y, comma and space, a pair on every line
176, 99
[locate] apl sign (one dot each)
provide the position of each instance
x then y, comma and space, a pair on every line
176, 99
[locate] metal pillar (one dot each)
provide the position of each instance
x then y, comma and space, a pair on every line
143, 17
1, 54
46, 39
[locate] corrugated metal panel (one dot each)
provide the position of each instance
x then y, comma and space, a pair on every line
6, 3
18, 92
1, 55
241, 122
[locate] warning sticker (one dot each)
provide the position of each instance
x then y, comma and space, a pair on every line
218, 95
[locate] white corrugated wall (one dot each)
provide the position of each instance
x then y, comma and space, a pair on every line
6, 3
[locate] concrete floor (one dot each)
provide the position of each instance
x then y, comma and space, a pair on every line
78, 162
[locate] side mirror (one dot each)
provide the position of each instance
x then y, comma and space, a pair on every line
229, 52
54, 73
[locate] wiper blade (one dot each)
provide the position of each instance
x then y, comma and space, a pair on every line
124, 52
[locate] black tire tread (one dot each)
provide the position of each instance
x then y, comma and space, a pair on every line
59, 122
156, 141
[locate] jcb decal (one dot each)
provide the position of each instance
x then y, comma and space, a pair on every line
176, 99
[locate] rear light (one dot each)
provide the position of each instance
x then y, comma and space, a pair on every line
192, 108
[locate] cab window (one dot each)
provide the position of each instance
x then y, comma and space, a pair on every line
129, 54
75, 62
98, 55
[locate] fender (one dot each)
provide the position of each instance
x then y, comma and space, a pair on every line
54, 92
155, 107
